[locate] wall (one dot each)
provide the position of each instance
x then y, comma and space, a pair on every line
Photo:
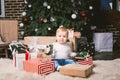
13, 11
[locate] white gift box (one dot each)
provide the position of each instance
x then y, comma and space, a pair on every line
103, 42
19, 58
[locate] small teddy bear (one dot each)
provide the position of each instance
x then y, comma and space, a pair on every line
45, 53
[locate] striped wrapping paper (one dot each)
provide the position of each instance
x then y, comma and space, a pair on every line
86, 61
38, 66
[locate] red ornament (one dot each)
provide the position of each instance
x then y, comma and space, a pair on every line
25, 19
41, 19
83, 14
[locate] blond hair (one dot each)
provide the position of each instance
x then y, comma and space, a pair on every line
62, 29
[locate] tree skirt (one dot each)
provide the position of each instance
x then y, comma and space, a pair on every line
103, 70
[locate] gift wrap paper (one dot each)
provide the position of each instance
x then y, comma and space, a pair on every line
76, 70
19, 58
86, 61
43, 40
103, 41
38, 66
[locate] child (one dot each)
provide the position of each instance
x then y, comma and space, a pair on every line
61, 49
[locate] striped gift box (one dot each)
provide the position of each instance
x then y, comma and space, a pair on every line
86, 61
38, 66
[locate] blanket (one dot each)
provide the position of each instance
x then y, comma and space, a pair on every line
102, 70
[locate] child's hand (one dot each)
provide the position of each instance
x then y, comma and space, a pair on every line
73, 54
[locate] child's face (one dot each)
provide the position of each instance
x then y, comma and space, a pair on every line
62, 37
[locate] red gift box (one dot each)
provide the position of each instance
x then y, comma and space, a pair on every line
38, 66
86, 61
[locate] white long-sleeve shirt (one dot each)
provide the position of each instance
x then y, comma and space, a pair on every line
61, 51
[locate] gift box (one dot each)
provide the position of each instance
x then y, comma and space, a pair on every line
103, 41
76, 70
86, 61
43, 40
38, 66
38, 43
19, 58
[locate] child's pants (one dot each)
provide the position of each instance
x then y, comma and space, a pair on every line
62, 62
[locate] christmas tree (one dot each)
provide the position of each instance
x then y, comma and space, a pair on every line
43, 17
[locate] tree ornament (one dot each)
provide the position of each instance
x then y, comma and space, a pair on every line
52, 19
22, 32
21, 24
45, 20
90, 7
49, 28
41, 19
29, 5
36, 29
83, 14
48, 7
25, 19
31, 18
24, 13
45, 4
73, 16
25, 2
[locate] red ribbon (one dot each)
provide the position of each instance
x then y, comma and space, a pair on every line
14, 59
26, 56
